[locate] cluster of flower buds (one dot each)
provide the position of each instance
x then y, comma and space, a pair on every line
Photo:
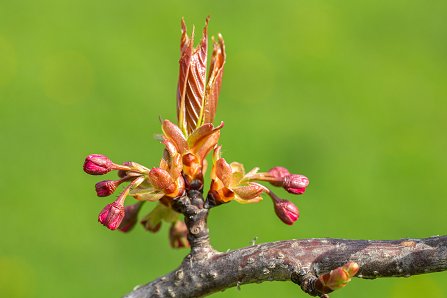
141, 182
230, 182
183, 162
192, 149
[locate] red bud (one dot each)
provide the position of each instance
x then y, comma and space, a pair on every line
279, 173
97, 164
112, 215
295, 184
286, 211
106, 188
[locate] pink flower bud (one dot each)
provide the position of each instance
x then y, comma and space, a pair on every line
106, 188
112, 215
295, 184
178, 235
279, 173
130, 217
97, 164
286, 211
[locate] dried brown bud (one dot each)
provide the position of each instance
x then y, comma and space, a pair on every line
178, 235
130, 217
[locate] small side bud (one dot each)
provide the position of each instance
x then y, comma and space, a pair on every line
337, 278
107, 187
351, 268
112, 215
278, 173
130, 217
97, 164
150, 224
295, 184
178, 234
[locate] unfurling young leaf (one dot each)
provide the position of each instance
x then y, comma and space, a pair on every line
197, 95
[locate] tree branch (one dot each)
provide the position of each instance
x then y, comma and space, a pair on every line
205, 271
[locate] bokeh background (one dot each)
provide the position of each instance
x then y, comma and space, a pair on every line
352, 94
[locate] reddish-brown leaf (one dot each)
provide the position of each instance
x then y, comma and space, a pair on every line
205, 140
192, 79
214, 80
185, 59
223, 171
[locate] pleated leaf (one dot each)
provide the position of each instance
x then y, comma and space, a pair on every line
192, 80
214, 80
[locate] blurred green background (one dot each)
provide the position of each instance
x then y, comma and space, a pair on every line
351, 94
